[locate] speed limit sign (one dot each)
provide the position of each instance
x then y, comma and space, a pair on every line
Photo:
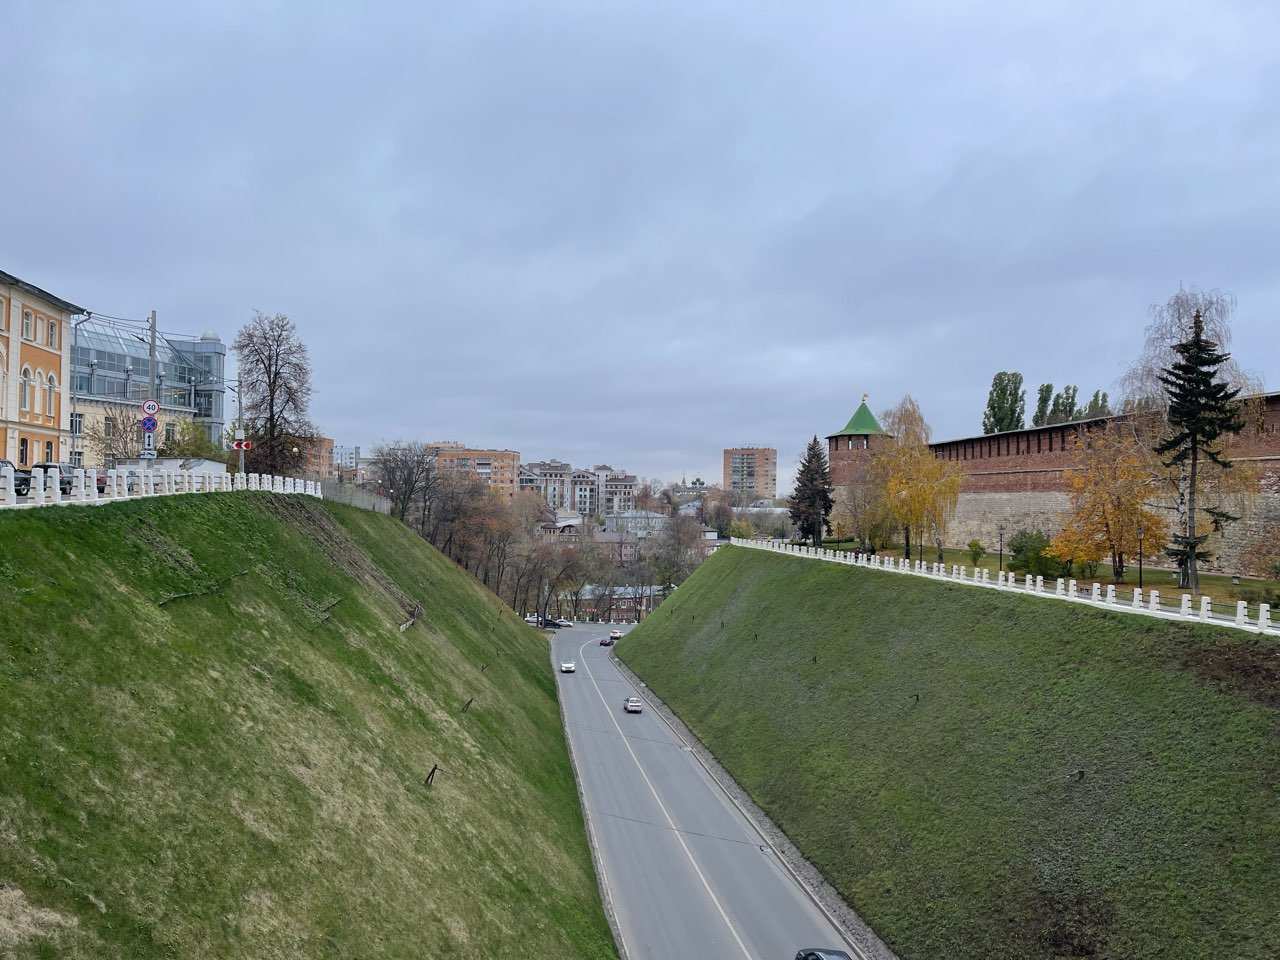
150, 408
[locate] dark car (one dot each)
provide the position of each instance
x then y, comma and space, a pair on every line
65, 473
812, 954
606, 641
548, 625
21, 478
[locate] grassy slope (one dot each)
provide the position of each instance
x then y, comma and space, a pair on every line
239, 773
1069, 782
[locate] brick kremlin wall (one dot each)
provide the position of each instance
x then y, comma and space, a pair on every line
1017, 479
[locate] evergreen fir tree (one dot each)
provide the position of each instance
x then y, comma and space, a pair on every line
811, 503
1201, 409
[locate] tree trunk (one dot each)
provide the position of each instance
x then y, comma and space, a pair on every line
1190, 574
906, 541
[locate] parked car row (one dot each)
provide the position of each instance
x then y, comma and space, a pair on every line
65, 472
535, 621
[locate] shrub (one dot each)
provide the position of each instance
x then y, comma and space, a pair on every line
976, 551
1028, 554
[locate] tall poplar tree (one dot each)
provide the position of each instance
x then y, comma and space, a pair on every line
1043, 398
811, 503
1006, 404
1202, 407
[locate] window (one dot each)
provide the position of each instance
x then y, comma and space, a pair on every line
50, 396
48, 451
27, 325
108, 428
4, 314
77, 424
24, 451
170, 432
25, 389
53, 334
77, 458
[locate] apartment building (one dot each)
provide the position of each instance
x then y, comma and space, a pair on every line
319, 463
500, 469
35, 415
615, 489
752, 470
598, 491
550, 479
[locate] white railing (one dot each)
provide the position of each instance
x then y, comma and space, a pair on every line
45, 489
1147, 604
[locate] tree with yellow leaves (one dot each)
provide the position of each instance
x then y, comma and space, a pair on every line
1114, 477
920, 489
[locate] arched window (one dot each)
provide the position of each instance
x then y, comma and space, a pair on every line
25, 389
51, 396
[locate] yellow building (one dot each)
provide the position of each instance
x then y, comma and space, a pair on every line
497, 468
35, 367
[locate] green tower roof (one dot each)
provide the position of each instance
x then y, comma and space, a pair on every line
863, 422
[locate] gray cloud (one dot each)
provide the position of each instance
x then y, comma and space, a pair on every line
637, 234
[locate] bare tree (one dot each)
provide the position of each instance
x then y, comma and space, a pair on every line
275, 375
406, 474
116, 436
1171, 323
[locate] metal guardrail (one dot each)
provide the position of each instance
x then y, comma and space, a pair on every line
1105, 597
46, 489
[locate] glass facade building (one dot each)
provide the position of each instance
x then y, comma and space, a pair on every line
111, 364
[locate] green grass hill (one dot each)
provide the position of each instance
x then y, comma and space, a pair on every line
984, 775
214, 739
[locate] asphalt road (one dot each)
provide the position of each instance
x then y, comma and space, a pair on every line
688, 876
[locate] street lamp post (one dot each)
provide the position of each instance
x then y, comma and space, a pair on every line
1141, 531
1000, 530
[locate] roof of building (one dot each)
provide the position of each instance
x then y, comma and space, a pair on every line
10, 280
862, 423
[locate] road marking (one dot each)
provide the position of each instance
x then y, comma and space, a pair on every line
786, 864
666, 813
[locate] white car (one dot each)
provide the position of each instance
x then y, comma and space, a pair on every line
568, 667
532, 618
633, 705
564, 623
615, 634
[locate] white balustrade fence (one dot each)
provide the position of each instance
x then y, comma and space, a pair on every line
46, 486
1143, 606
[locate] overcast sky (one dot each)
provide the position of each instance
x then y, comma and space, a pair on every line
638, 233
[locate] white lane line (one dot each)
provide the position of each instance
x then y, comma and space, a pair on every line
786, 864
674, 829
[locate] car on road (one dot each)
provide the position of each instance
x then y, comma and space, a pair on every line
531, 619
65, 473
564, 623
826, 954
632, 705
548, 625
615, 634
608, 641
21, 478
568, 667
